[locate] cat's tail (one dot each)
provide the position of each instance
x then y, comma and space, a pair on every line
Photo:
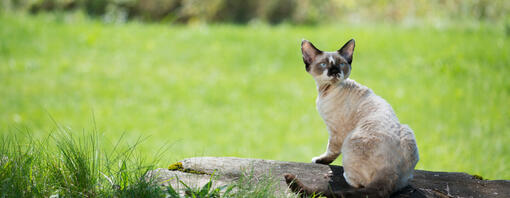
375, 190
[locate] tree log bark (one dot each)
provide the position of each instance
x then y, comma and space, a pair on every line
197, 172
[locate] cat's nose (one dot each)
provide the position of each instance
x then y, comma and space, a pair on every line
334, 70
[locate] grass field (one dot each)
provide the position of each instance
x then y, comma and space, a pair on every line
226, 90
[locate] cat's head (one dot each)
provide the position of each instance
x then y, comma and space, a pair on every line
328, 67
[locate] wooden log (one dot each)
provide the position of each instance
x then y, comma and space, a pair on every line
197, 172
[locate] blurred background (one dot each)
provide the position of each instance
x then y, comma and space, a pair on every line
274, 11
226, 78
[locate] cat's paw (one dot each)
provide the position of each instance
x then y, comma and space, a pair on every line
321, 160
315, 159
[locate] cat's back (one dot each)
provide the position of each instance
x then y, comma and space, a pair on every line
378, 116
374, 113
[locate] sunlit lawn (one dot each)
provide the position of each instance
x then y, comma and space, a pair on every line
224, 90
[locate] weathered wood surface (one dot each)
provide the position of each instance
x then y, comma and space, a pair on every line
424, 183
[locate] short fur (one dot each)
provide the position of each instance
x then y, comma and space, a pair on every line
379, 153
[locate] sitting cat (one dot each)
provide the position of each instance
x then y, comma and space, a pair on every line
379, 153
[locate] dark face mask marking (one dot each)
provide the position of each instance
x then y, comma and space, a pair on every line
337, 64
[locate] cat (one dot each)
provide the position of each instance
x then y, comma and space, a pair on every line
379, 153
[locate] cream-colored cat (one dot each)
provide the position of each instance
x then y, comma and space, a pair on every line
379, 153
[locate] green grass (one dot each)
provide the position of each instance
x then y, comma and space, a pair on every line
72, 165
225, 90
67, 164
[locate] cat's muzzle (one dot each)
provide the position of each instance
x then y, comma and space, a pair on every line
336, 73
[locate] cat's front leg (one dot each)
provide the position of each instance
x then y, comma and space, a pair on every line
332, 152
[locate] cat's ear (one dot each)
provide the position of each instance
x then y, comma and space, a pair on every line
309, 53
347, 50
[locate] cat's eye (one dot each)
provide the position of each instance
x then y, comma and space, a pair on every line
323, 64
342, 64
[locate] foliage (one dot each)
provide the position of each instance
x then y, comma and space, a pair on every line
69, 166
274, 11
205, 191
64, 165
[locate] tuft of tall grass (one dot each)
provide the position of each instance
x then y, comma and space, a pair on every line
22, 173
70, 166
